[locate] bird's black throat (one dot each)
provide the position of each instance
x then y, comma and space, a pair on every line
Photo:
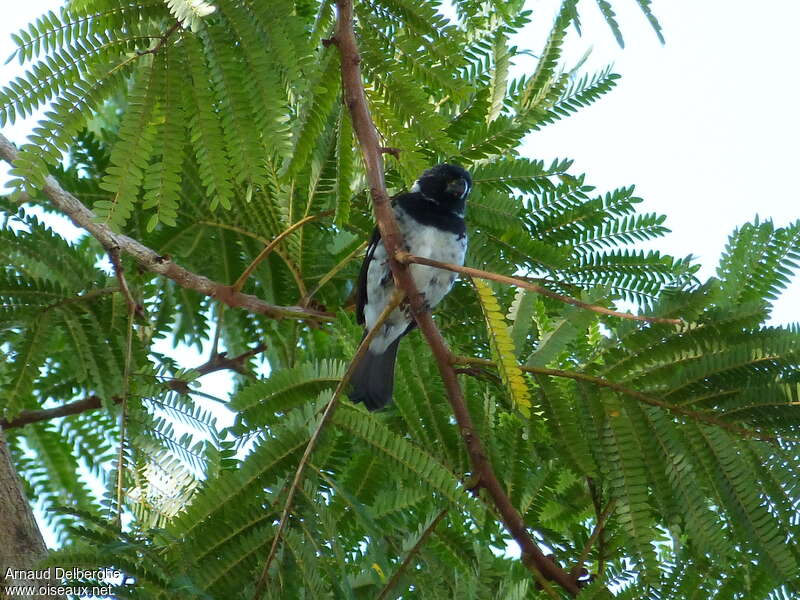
429, 212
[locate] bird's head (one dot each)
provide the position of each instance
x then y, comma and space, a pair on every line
447, 185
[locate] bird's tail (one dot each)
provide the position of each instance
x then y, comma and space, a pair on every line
373, 379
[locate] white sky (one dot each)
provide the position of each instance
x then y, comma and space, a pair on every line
704, 125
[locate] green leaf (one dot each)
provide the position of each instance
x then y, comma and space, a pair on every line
503, 348
559, 334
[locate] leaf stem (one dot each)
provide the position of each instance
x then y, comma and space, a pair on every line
406, 258
123, 417
599, 381
331, 274
410, 555
271, 246
598, 529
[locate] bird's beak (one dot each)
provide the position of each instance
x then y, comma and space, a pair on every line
458, 188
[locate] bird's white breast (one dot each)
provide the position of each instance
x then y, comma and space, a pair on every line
421, 240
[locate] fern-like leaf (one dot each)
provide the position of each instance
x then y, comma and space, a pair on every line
503, 348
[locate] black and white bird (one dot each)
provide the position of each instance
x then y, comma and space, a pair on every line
431, 219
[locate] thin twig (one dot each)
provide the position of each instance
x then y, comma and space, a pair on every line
217, 363
389, 150
150, 260
221, 362
542, 581
123, 415
598, 528
366, 134
271, 246
330, 274
217, 330
406, 258
90, 295
597, 502
410, 555
393, 303
599, 381
287, 261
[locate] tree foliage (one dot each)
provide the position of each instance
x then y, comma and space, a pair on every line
208, 137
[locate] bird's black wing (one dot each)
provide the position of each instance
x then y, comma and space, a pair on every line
361, 286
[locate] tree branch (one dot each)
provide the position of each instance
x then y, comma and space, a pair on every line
406, 258
216, 363
364, 129
22, 547
73, 408
599, 381
221, 362
151, 261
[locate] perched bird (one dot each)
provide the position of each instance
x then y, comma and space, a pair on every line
431, 219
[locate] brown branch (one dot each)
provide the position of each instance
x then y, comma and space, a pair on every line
216, 363
73, 408
365, 132
410, 555
221, 362
406, 258
393, 303
22, 548
389, 150
149, 260
599, 381
271, 246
